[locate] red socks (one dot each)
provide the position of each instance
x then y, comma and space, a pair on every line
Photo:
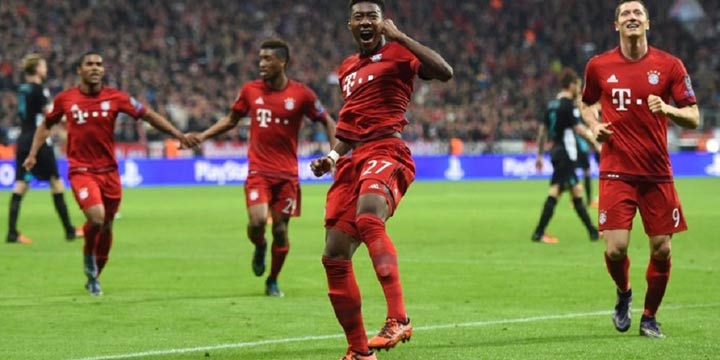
344, 296
619, 270
384, 258
278, 259
657, 276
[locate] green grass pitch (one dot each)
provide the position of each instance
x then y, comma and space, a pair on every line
179, 283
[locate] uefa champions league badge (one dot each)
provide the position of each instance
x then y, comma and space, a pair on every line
653, 77
289, 104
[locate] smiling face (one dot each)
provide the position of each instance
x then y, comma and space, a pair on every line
366, 25
91, 69
632, 20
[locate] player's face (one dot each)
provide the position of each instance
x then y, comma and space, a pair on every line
632, 20
270, 65
91, 69
42, 69
366, 25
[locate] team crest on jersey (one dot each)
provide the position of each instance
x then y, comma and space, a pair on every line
289, 104
254, 195
653, 77
602, 217
105, 105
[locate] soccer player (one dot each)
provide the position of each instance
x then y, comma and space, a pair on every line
562, 124
276, 106
583, 163
32, 104
377, 85
634, 83
90, 111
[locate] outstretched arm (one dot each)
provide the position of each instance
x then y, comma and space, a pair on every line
161, 123
228, 122
433, 65
687, 117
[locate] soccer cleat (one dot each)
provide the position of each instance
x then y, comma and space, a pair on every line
650, 328
272, 289
544, 238
391, 333
622, 315
93, 288
354, 355
258, 261
74, 233
18, 239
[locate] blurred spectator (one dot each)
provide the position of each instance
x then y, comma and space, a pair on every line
187, 58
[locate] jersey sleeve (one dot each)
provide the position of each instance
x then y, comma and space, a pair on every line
131, 106
592, 90
241, 105
314, 110
55, 112
681, 90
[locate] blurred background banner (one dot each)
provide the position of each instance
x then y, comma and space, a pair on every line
141, 172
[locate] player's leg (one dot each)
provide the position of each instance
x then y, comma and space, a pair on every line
88, 196
343, 289
662, 216
548, 209
105, 236
57, 190
581, 210
257, 197
617, 209
278, 252
13, 235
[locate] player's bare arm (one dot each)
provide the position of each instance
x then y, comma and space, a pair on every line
161, 123
228, 122
330, 126
433, 66
601, 131
687, 117
585, 133
41, 134
326, 163
541, 137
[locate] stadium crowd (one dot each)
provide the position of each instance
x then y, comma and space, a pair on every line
188, 58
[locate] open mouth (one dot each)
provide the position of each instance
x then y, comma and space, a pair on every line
633, 25
366, 35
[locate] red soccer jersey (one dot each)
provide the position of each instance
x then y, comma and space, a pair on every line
276, 118
91, 124
638, 147
377, 90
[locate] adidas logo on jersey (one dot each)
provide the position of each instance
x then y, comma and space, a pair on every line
259, 101
374, 187
612, 79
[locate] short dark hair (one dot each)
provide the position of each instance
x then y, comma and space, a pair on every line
568, 77
86, 54
281, 48
30, 63
380, 3
617, 9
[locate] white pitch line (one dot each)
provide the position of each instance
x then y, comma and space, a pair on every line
336, 336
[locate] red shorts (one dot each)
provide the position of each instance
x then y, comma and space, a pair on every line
371, 168
658, 203
283, 195
97, 188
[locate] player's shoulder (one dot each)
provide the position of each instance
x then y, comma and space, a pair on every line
664, 56
252, 85
349, 62
300, 87
604, 57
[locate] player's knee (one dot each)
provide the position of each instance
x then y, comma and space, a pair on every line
661, 250
280, 235
369, 225
616, 252
384, 271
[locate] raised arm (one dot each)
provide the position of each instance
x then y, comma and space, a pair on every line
433, 66
687, 117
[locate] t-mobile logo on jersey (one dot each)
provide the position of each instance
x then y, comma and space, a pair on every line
622, 98
351, 80
82, 115
264, 116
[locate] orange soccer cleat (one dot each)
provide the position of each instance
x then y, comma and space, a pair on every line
392, 333
354, 355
